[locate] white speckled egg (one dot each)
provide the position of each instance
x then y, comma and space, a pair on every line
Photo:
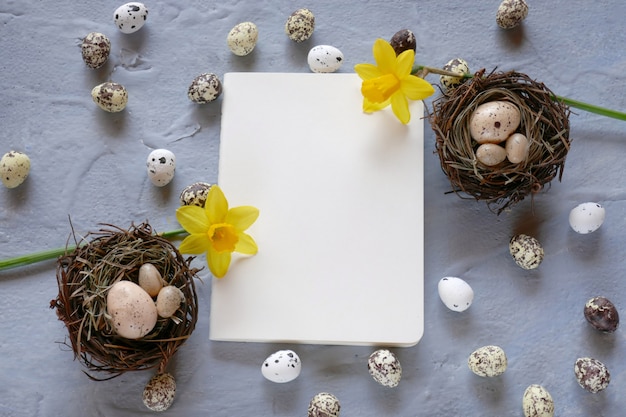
205, 88
537, 402
526, 251
150, 279
591, 374
161, 166
111, 97
455, 293
490, 154
325, 58
324, 404
159, 393
195, 194
242, 38
511, 13
458, 65
517, 147
169, 300
384, 366
132, 311
586, 217
488, 361
130, 17
494, 121
14, 168
300, 25
95, 49
281, 366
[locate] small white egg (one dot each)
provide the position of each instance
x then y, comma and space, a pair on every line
161, 165
130, 17
586, 217
242, 38
14, 168
537, 402
494, 121
324, 404
384, 366
490, 154
517, 147
159, 393
324, 58
488, 361
526, 251
455, 293
282, 366
110, 97
169, 300
300, 25
150, 279
205, 88
132, 311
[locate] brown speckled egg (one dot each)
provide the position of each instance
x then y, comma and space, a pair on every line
205, 88
195, 194
159, 393
324, 404
591, 374
384, 367
601, 313
111, 97
403, 40
457, 65
300, 25
95, 48
511, 13
537, 402
488, 361
242, 38
526, 251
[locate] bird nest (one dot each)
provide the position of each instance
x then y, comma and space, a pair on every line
544, 121
84, 277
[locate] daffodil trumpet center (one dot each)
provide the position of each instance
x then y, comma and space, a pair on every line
379, 89
223, 237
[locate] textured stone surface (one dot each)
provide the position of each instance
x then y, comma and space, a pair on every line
90, 165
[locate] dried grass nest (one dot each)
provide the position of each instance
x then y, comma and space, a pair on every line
544, 121
84, 277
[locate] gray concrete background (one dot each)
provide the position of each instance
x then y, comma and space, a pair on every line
91, 166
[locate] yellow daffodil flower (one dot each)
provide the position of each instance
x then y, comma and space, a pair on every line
390, 81
217, 230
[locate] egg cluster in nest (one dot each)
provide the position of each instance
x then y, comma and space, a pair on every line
544, 121
84, 277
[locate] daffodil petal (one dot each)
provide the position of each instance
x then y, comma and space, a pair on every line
400, 107
405, 63
367, 71
369, 107
192, 219
216, 205
385, 56
242, 217
416, 88
246, 245
195, 244
218, 262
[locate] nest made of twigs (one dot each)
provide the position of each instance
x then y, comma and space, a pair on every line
544, 121
84, 277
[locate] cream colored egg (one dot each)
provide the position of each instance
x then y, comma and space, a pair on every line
517, 147
169, 300
488, 361
132, 312
537, 402
14, 168
159, 393
494, 121
490, 154
150, 279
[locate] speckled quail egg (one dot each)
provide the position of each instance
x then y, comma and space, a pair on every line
602, 314
537, 402
511, 13
526, 251
457, 65
591, 374
195, 194
130, 17
300, 25
110, 97
488, 361
159, 393
324, 404
282, 366
205, 88
384, 366
14, 168
161, 166
324, 58
587, 217
242, 38
95, 49
403, 40
455, 293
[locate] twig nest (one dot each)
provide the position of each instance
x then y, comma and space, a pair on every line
524, 165
86, 278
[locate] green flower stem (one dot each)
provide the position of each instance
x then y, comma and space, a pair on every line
55, 253
591, 108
